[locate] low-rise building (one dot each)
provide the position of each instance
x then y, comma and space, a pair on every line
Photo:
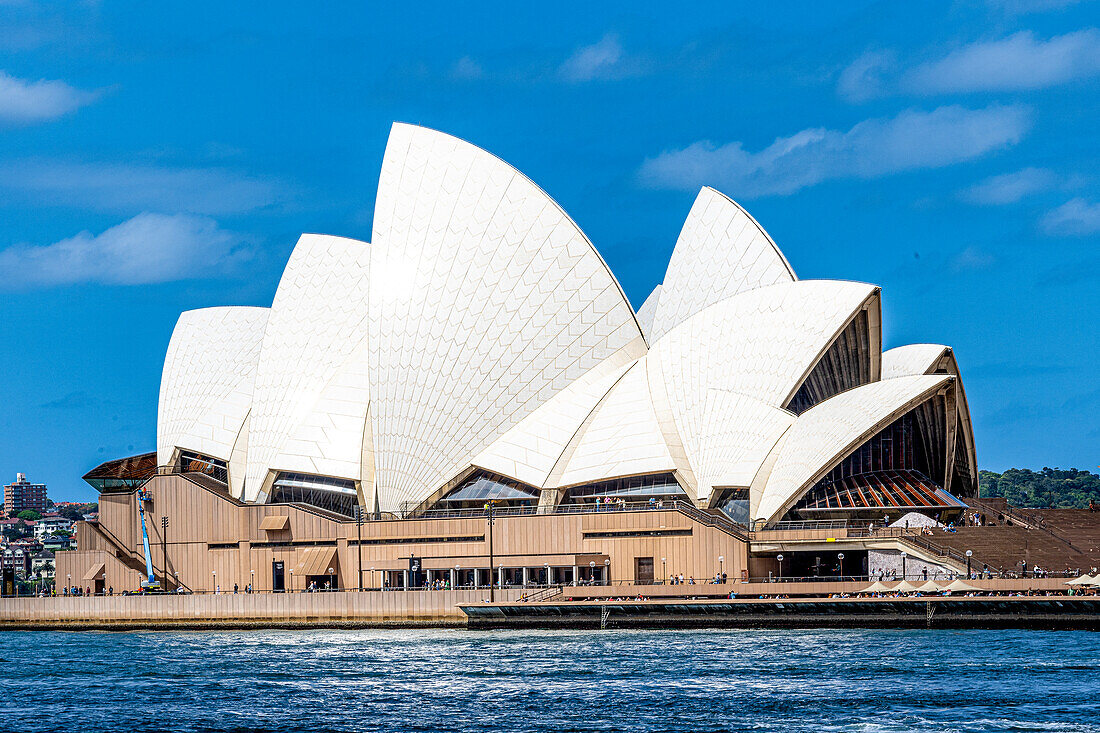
55, 543
50, 525
18, 555
42, 564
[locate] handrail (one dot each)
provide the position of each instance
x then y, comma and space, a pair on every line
809, 524
132, 555
545, 593
933, 547
683, 507
712, 520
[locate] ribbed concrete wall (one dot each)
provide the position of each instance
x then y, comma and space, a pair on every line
396, 608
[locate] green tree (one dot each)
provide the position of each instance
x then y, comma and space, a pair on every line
29, 514
1054, 488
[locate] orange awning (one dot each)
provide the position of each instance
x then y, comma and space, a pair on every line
274, 523
316, 561
95, 571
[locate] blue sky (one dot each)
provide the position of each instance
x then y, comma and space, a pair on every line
156, 158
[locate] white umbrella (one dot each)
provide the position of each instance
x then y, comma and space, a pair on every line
877, 587
959, 586
905, 587
930, 586
1083, 580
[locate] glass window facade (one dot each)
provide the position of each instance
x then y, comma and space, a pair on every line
484, 486
337, 495
216, 468
735, 504
636, 488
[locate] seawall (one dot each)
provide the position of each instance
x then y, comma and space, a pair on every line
579, 607
242, 610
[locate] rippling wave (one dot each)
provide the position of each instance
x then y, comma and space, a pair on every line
437, 680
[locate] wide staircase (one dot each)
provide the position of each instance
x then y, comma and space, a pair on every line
1079, 526
1004, 547
128, 557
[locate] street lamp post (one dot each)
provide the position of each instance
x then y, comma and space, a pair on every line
780, 559
840, 560
607, 569
164, 547
214, 581
457, 579
251, 581
664, 575
331, 579
904, 555
359, 544
291, 580
721, 566
969, 554
490, 520
546, 566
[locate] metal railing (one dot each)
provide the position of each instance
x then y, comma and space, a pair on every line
940, 550
800, 526
544, 594
683, 507
713, 520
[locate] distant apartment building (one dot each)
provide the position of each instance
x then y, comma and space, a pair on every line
21, 495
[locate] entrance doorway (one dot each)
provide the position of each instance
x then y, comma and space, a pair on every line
643, 571
278, 579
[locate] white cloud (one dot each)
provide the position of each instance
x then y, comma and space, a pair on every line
24, 101
912, 140
1009, 188
1075, 217
866, 77
971, 258
1021, 7
130, 188
1018, 62
467, 68
148, 248
603, 60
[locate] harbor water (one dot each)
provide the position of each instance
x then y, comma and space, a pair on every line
454, 680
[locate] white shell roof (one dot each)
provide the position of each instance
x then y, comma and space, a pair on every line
648, 311
924, 359
721, 251
761, 343
530, 450
482, 329
741, 431
620, 438
826, 433
207, 382
486, 301
318, 320
904, 361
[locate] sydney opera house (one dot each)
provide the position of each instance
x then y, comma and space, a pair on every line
479, 351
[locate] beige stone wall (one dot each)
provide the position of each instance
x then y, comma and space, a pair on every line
266, 609
213, 539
